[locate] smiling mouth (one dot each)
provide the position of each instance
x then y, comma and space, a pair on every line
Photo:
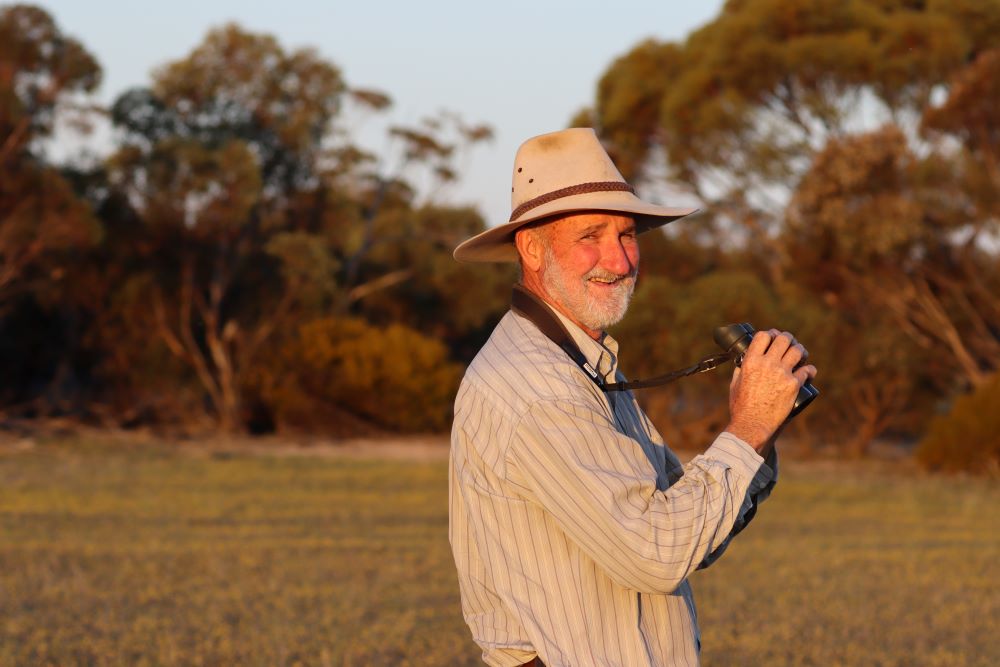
608, 282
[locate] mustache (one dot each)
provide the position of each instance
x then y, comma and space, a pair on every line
601, 274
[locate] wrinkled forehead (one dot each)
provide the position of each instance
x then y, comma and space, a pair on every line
575, 223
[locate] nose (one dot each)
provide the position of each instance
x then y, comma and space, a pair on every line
619, 256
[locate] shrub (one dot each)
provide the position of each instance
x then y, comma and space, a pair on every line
968, 437
334, 371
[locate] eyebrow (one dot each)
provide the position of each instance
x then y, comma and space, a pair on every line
598, 226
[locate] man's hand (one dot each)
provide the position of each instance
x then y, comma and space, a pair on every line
764, 388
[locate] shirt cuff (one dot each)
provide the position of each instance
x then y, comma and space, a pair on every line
766, 476
767, 471
738, 455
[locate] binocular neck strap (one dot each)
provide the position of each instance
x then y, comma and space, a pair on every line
527, 305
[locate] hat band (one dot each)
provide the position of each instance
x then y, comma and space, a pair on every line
581, 189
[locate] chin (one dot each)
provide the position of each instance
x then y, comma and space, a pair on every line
607, 318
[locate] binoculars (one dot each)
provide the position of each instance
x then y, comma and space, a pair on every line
735, 339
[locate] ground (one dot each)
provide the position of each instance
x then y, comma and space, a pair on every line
118, 549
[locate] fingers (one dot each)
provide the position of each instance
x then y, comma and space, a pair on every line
784, 347
780, 345
805, 374
794, 356
805, 354
759, 344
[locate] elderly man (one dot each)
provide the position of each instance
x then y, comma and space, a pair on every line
574, 527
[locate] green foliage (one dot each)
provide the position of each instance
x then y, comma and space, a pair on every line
740, 108
41, 217
40, 66
263, 215
885, 230
851, 149
242, 85
855, 205
872, 379
205, 192
45, 226
438, 295
306, 264
779, 74
967, 438
846, 153
218, 158
970, 116
140, 382
628, 101
394, 377
42, 221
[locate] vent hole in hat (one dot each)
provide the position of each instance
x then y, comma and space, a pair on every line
519, 170
531, 180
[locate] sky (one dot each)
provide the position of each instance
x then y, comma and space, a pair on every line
524, 68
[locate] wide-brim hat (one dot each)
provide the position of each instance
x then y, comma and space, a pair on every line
563, 172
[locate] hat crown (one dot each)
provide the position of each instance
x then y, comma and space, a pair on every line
551, 162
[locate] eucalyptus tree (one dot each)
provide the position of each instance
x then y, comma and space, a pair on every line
221, 162
260, 210
850, 147
736, 113
43, 71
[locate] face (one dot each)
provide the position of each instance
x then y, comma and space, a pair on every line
590, 262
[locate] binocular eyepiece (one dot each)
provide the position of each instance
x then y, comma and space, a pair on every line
735, 339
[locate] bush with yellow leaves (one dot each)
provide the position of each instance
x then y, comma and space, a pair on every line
346, 375
968, 437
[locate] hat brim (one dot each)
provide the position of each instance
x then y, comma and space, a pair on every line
497, 243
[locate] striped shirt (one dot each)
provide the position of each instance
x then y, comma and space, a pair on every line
574, 528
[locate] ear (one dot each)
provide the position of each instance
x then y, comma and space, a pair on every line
529, 247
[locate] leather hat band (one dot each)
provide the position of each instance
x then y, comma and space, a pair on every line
582, 188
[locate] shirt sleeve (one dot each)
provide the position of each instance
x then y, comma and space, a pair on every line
760, 489
599, 487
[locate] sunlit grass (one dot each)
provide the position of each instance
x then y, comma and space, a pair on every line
859, 568
132, 556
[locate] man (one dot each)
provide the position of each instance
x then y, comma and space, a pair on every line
574, 527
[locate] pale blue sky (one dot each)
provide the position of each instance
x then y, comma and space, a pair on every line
523, 67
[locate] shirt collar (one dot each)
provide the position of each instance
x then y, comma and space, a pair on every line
602, 355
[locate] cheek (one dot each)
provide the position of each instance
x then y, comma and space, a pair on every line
585, 260
578, 260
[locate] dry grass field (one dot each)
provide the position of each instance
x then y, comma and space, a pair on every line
140, 554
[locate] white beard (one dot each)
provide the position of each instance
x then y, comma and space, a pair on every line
594, 312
